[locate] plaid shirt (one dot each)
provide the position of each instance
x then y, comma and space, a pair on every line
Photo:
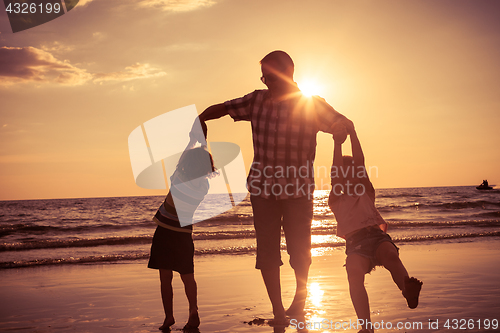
284, 141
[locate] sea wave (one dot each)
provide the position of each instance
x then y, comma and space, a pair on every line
329, 228
462, 204
446, 206
100, 230
40, 229
399, 195
229, 250
71, 260
55, 244
464, 235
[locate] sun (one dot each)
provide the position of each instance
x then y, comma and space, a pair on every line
309, 87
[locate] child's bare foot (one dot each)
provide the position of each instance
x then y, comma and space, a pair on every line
166, 324
193, 321
412, 291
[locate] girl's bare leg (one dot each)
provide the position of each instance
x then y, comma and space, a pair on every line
191, 290
167, 297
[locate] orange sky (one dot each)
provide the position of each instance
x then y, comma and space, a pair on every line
420, 80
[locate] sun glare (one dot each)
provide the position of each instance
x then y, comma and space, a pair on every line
309, 88
315, 294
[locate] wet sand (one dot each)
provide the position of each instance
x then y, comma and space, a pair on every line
460, 282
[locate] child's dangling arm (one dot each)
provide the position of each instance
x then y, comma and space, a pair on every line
337, 164
359, 160
357, 152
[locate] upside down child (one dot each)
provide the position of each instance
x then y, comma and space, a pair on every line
352, 200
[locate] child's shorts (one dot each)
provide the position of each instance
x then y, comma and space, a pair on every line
172, 250
365, 243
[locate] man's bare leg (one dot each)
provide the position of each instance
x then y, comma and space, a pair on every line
271, 279
299, 300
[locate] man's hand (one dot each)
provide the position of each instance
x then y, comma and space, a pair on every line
349, 125
339, 132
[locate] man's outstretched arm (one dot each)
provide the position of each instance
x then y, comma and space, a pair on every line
213, 112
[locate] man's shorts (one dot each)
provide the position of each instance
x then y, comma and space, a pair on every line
295, 215
365, 243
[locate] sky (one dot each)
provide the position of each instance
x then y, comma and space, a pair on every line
419, 79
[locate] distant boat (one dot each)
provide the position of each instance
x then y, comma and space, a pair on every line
484, 186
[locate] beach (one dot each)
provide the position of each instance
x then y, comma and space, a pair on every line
460, 283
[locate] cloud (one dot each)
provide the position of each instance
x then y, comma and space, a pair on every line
137, 71
98, 35
57, 47
32, 65
177, 5
29, 64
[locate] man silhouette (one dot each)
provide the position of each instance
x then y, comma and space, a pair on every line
281, 181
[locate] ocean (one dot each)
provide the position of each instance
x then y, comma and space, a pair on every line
111, 230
